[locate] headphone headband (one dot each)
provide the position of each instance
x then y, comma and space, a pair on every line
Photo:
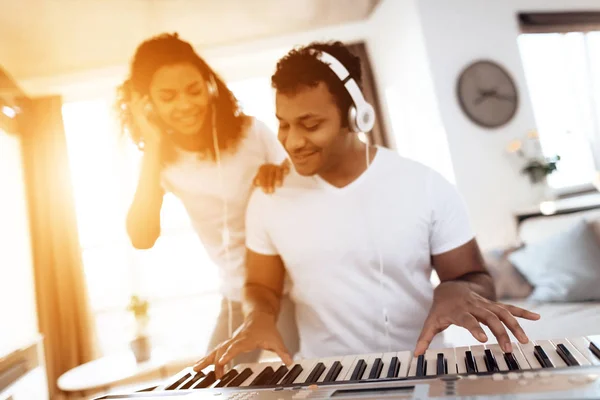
361, 116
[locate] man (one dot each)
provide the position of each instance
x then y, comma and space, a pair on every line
358, 230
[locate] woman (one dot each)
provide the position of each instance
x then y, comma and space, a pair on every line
201, 147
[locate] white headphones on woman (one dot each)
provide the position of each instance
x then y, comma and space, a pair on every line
211, 85
361, 116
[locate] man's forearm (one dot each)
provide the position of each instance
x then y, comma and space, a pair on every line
260, 300
481, 283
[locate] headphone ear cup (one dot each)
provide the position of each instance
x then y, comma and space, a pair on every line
365, 119
211, 84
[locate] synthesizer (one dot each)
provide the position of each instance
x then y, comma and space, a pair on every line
567, 368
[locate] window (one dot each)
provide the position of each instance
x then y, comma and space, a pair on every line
176, 275
563, 76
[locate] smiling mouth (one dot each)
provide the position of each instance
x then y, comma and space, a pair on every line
303, 157
191, 120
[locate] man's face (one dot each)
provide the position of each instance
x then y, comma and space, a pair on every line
310, 128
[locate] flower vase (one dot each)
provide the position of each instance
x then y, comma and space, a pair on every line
542, 191
141, 348
141, 345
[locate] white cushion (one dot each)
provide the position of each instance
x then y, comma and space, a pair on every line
536, 229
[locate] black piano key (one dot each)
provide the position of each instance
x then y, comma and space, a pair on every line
280, 373
208, 380
228, 377
176, 384
334, 372
262, 377
421, 366
511, 361
316, 373
376, 369
292, 375
441, 368
240, 378
394, 368
595, 348
542, 357
359, 370
192, 381
470, 362
566, 355
490, 361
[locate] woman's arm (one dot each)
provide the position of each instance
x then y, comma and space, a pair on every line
143, 217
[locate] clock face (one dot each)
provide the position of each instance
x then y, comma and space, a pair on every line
487, 94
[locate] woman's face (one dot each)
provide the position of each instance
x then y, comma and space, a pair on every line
180, 97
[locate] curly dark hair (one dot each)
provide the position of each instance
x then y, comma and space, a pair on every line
169, 49
300, 67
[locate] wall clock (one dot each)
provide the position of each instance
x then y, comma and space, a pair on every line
487, 94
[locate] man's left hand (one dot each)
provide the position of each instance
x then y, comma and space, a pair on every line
456, 303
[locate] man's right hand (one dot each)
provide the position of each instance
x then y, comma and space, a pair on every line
259, 331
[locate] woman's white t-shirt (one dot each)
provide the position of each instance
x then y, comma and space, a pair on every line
204, 187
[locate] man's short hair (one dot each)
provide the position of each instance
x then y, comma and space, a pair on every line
300, 68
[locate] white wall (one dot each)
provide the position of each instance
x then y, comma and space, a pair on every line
456, 33
18, 317
399, 56
236, 62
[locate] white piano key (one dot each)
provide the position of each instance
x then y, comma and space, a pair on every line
405, 358
412, 369
328, 362
187, 371
459, 353
307, 367
370, 361
450, 357
431, 360
550, 351
596, 340
519, 356
479, 356
576, 354
353, 366
583, 345
528, 352
499, 355
347, 363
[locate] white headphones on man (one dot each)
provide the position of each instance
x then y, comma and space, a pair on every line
361, 116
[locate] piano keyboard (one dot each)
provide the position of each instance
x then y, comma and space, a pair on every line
468, 360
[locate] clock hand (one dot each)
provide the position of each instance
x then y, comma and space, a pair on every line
480, 99
484, 94
505, 97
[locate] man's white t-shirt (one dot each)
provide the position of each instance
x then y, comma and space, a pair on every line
203, 190
331, 240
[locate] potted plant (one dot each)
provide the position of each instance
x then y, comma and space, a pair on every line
140, 345
536, 166
539, 169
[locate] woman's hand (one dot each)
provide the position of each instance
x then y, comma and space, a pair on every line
141, 111
270, 176
258, 331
